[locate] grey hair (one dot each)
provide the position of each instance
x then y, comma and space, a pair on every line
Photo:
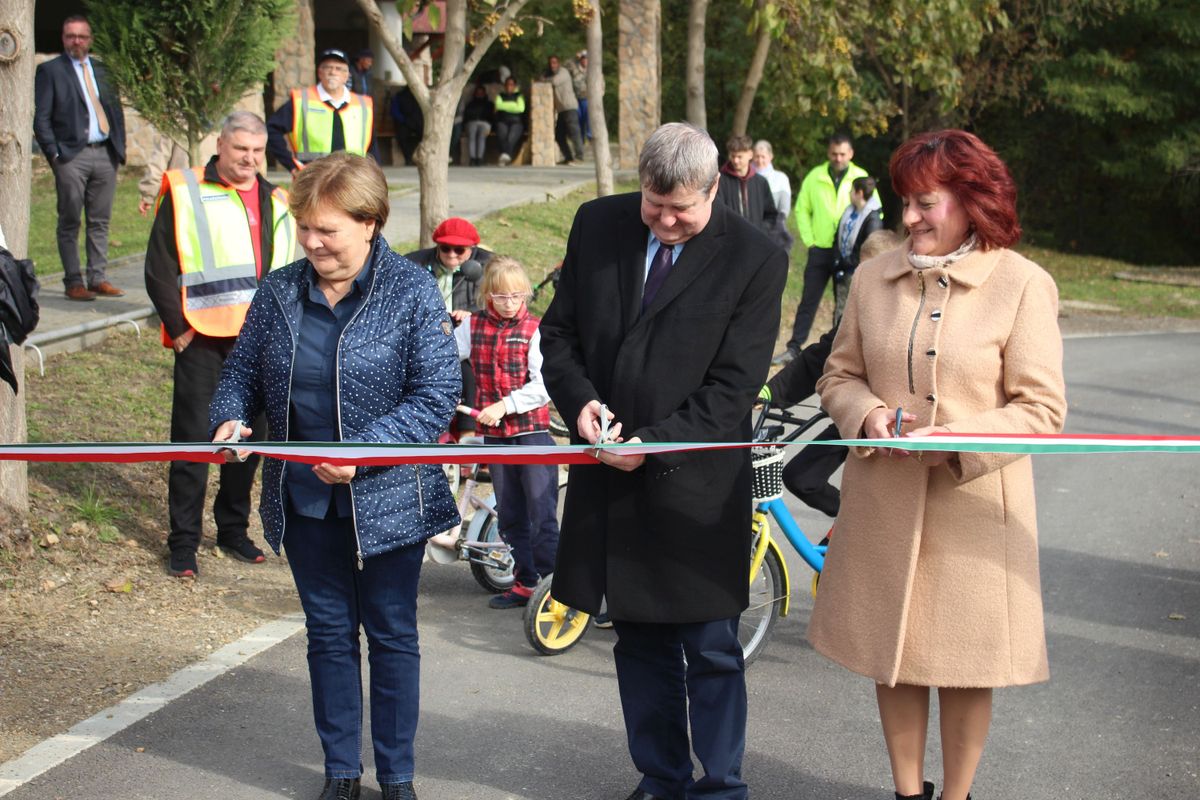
678, 156
763, 144
246, 121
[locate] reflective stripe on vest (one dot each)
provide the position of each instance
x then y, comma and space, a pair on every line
312, 124
217, 280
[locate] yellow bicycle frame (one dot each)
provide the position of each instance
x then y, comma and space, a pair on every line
763, 541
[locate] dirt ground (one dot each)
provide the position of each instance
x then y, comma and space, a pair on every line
88, 614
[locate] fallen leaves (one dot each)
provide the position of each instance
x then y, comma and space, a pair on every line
119, 586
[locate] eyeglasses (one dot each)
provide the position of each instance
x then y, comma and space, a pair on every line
335, 69
515, 297
458, 250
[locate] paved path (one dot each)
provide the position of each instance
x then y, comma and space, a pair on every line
1120, 717
474, 193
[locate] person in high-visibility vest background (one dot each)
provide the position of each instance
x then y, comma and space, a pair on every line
323, 118
217, 231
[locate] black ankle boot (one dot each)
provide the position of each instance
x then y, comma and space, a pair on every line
927, 794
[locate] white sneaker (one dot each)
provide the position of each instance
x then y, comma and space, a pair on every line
505, 159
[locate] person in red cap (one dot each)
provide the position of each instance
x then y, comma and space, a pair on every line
457, 261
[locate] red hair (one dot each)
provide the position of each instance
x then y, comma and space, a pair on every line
962, 163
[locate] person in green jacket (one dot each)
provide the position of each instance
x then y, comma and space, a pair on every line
510, 120
824, 195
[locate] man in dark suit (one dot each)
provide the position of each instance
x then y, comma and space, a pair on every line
666, 313
79, 124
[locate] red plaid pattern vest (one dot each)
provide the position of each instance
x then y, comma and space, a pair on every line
500, 357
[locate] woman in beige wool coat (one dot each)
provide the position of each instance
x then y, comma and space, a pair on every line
932, 577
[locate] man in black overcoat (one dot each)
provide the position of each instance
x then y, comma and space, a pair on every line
666, 313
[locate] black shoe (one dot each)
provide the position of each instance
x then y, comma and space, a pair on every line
398, 791
340, 789
183, 565
638, 794
602, 620
243, 550
927, 794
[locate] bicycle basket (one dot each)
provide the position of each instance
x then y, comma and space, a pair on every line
768, 473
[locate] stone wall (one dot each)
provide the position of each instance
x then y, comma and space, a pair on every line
543, 150
295, 63
639, 60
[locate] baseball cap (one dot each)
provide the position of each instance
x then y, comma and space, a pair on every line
332, 54
456, 230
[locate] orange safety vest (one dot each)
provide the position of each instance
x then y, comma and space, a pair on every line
217, 272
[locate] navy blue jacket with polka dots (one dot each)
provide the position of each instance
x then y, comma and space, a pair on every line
398, 380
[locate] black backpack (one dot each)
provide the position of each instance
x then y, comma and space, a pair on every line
19, 310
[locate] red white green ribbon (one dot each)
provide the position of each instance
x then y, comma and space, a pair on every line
342, 453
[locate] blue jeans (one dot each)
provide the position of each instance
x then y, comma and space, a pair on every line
338, 598
527, 504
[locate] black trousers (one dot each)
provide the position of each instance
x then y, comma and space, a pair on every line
197, 372
807, 475
817, 272
670, 675
568, 135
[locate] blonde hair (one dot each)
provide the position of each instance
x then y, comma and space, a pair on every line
348, 183
503, 271
879, 243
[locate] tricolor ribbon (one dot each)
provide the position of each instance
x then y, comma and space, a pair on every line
359, 454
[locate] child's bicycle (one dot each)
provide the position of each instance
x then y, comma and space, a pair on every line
551, 627
770, 585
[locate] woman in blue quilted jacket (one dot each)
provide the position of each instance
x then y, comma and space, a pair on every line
351, 344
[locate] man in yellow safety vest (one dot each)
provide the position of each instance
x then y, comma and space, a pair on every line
217, 231
323, 118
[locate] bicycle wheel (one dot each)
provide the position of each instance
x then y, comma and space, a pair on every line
757, 622
551, 627
493, 569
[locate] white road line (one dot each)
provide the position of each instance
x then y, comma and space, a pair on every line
54, 751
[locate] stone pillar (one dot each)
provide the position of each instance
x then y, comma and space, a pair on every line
543, 149
639, 57
295, 63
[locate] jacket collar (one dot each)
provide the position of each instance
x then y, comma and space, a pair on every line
971, 272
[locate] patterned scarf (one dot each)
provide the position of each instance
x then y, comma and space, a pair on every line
925, 262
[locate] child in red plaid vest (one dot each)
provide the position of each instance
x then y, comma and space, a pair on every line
502, 342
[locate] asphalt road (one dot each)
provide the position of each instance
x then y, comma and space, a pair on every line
1119, 718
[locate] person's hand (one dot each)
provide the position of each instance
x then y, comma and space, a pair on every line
458, 315
881, 424
931, 458
181, 342
224, 432
330, 474
144, 206
625, 463
588, 424
491, 415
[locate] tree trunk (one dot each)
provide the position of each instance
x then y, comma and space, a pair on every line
433, 166
741, 115
595, 93
697, 112
16, 161
193, 147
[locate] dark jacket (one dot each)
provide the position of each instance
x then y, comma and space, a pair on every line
798, 380
873, 222
60, 116
19, 310
398, 380
478, 109
465, 293
750, 197
670, 541
162, 254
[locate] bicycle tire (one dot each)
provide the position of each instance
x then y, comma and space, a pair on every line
494, 579
757, 623
551, 627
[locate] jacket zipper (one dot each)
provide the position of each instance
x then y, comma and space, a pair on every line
420, 491
287, 417
912, 336
337, 384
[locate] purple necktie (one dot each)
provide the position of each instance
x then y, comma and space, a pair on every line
659, 268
